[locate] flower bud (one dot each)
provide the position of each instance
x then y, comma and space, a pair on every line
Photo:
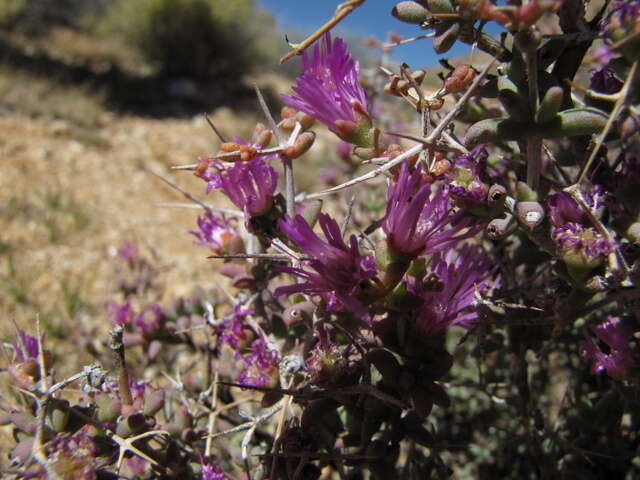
497, 195
301, 145
529, 214
261, 135
298, 312
459, 79
499, 228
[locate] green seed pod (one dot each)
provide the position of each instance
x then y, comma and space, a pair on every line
550, 105
410, 12
442, 43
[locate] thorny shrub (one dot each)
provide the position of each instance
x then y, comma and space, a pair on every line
473, 309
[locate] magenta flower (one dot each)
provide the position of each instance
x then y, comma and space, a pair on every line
450, 290
582, 246
605, 80
336, 270
120, 314
232, 331
619, 361
25, 346
329, 90
212, 471
416, 220
249, 185
327, 363
217, 234
562, 208
260, 366
150, 319
128, 252
466, 179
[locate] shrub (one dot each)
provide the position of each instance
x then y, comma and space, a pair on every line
200, 39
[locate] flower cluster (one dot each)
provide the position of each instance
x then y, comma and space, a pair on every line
416, 220
456, 280
329, 89
218, 234
334, 269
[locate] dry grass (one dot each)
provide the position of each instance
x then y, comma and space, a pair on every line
67, 204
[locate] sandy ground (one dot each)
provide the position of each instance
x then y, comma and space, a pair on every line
67, 203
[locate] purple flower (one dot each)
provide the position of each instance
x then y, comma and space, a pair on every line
329, 90
337, 270
260, 367
128, 252
603, 55
562, 208
249, 185
450, 290
605, 80
120, 314
232, 331
619, 361
327, 363
212, 471
150, 319
217, 234
415, 220
465, 179
582, 246
25, 346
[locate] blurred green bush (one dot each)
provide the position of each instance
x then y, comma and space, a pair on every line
36, 17
201, 39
